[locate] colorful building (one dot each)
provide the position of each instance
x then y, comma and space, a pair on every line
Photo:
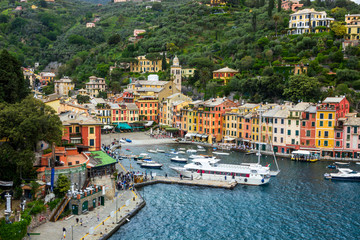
95, 85
148, 108
327, 115
81, 130
143, 65
308, 128
46, 77
225, 74
352, 24
64, 86
309, 21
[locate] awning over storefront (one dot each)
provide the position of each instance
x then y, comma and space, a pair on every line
123, 126
204, 136
171, 129
229, 138
190, 135
199, 135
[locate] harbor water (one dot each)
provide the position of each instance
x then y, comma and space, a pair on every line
297, 204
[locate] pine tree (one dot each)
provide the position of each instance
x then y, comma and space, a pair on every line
163, 63
13, 85
270, 7
253, 21
279, 6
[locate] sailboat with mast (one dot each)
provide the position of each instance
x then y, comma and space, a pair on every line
273, 173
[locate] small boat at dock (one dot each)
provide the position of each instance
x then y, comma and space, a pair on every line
152, 151
174, 153
344, 164
357, 163
221, 153
179, 160
142, 156
191, 151
344, 174
331, 166
152, 164
181, 149
128, 140
160, 150
181, 152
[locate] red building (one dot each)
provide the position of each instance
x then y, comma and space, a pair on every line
308, 128
81, 130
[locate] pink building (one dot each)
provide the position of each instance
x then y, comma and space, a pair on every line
294, 5
351, 137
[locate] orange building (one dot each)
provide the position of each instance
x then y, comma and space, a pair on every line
148, 108
81, 130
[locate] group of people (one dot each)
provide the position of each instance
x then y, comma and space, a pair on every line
125, 181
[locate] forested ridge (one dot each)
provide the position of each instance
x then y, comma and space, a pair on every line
248, 36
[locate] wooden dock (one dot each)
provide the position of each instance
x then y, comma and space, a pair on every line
186, 181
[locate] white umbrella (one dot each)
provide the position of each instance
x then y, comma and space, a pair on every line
107, 127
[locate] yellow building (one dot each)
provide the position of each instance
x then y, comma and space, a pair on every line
309, 21
144, 65
64, 86
352, 26
187, 72
325, 123
225, 74
230, 125
217, 2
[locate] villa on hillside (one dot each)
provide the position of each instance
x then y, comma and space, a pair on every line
309, 21
225, 74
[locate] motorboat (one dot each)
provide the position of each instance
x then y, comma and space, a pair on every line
193, 156
191, 151
201, 150
181, 149
152, 151
128, 140
141, 161
160, 150
142, 156
178, 159
174, 153
304, 156
357, 163
210, 169
344, 174
221, 153
122, 141
343, 164
151, 164
331, 166
181, 152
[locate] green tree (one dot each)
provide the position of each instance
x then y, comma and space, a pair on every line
102, 95
270, 7
23, 125
279, 5
302, 88
114, 39
83, 99
13, 86
62, 185
34, 188
339, 29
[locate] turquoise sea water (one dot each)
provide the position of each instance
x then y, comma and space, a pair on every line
297, 204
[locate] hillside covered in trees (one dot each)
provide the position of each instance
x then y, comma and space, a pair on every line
250, 36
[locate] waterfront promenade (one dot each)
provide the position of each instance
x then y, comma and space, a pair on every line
186, 181
96, 224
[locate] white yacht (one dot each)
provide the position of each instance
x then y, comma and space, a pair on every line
160, 150
344, 174
210, 169
178, 159
191, 151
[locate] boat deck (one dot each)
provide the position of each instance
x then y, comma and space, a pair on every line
186, 181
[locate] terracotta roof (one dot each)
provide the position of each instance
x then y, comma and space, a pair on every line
226, 69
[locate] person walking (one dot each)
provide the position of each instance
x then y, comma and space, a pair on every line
81, 221
64, 232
